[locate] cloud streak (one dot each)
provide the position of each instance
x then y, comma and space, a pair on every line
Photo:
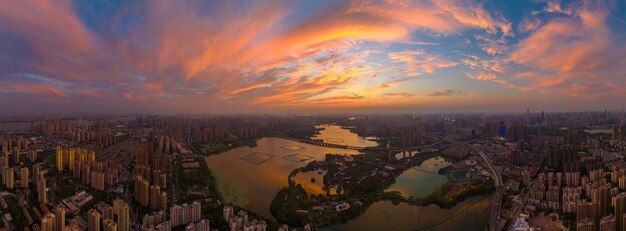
448, 92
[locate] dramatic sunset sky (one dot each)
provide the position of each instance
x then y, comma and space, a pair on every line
234, 56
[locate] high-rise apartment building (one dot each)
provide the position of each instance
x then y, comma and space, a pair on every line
109, 225
24, 174
42, 194
59, 158
47, 222
607, 223
619, 202
9, 177
123, 219
59, 213
585, 225
604, 201
93, 220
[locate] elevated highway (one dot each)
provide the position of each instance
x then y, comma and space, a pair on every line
497, 180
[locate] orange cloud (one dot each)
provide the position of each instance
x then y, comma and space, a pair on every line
481, 76
438, 16
475, 62
419, 60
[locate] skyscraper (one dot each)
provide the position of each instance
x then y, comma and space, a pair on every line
4, 175
117, 206
93, 221
587, 210
9, 177
155, 192
142, 190
619, 201
196, 211
107, 212
163, 200
32, 155
604, 201
109, 225
585, 225
71, 159
59, 213
91, 156
47, 222
59, 158
16, 155
123, 219
607, 223
24, 177
36, 169
42, 194
176, 214
4, 163
501, 129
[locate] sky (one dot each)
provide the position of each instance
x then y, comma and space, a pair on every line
321, 56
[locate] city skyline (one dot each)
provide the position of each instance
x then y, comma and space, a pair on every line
219, 57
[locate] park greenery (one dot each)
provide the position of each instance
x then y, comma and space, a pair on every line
294, 206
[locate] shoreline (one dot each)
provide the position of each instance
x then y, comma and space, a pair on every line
296, 199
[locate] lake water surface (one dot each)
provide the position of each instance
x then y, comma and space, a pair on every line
421, 180
335, 134
469, 215
251, 177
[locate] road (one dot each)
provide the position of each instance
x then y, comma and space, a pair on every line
494, 224
331, 145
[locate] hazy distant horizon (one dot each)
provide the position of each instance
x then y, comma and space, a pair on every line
330, 114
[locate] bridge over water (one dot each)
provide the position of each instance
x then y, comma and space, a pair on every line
343, 146
497, 199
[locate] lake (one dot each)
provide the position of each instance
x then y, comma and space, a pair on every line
335, 134
251, 176
421, 180
469, 215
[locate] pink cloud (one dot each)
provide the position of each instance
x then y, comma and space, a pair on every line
556, 7
90, 92
33, 89
128, 95
571, 55
528, 24
156, 87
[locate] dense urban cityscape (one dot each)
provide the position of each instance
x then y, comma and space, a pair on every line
538, 171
